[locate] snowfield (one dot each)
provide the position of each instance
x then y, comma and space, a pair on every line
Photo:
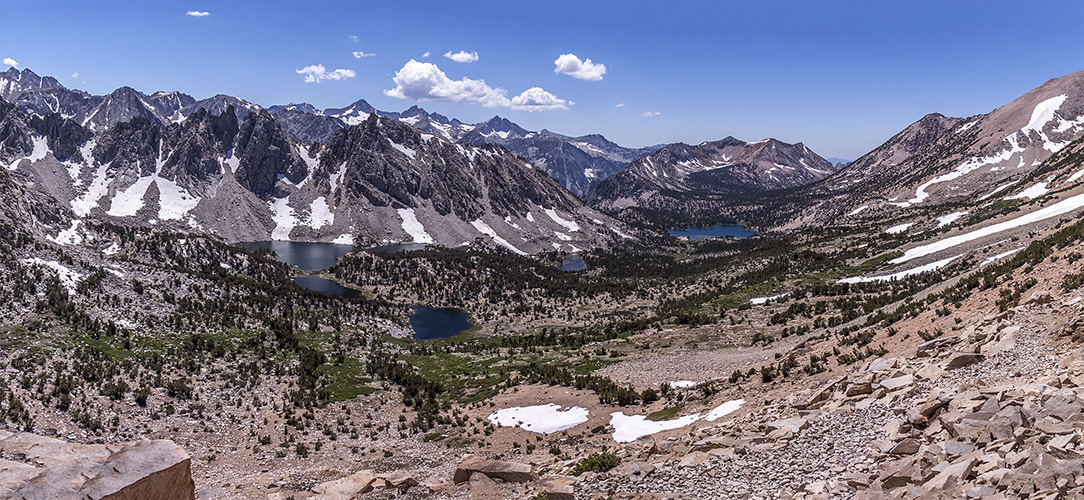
68, 278
68, 236
567, 224
284, 218
412, 227
320, 214
945, 220
900, 228
1030, 193
902, 274
630, 428
764, 300
1060, 208
484, 228
543, 419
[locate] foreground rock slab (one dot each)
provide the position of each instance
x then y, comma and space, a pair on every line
37, 467
494, 469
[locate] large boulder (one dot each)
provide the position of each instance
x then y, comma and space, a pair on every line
494, 469
347, 487
49, 468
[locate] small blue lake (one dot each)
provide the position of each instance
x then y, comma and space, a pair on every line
438, 323
307, 256
573, 263
699, 233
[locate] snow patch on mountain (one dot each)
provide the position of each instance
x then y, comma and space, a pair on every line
68, 278
567, 224
945, 220
82, 205
68, 236
1031, 192
1061, 208
284, 218
484, 228
320, 214
127, 202
414, 228
933, 266
402, 149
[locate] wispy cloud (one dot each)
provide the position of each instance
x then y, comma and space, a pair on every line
75, 75
569, 64
358, 54
426, 54
426, 82
619, 105
196, 13
536, 99
652, 114
462, 56
355, 38
317, 73
10, 62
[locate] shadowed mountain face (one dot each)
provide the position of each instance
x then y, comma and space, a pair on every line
376, 182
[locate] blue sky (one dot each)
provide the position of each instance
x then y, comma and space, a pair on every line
842, 77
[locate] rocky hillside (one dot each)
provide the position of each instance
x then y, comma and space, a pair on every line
942, 165
679, 176
244, 179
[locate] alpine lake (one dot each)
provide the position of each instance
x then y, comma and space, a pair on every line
426, 322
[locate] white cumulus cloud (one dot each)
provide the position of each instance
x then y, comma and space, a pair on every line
318, 73
358, 54
569, 64
536, 99
10, 62
426, 82
75, 75
426, 54
461, 56
651, 114
619, 105
196, 13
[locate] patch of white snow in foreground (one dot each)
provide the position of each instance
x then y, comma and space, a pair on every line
70, 279
543, 419
414, 228
764, 300
630, 428
484, 228
902, 274
724, 409
570, 225
1000, 256
344, 239
945, 220
1060, 208
682, 384
899, 229
858, 210
41, 148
